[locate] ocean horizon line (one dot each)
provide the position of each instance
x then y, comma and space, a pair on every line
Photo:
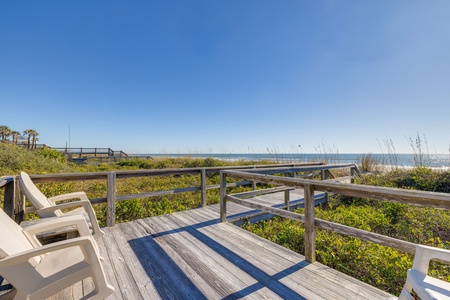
281, 153
401, 159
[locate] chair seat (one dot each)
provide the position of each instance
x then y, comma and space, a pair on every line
429, 287
59, 260
77, 211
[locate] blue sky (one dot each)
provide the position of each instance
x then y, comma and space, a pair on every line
227, 76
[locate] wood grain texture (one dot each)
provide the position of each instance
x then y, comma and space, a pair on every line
310, 228
223, 194
9, 196
111, 200
203, 186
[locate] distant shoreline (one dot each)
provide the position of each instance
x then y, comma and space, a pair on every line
392, 160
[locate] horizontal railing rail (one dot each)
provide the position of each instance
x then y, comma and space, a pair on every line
301, 169
413, 197
15, 201
91, 151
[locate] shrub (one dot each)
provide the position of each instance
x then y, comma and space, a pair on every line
14, 159
52, 154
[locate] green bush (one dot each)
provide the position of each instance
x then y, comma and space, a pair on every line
138, 163
14, 159
422, 178
380, 266
52, 154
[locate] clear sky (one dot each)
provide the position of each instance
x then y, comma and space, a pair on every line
230, 76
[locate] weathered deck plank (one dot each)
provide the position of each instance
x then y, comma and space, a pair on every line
192, 255
207, 264
242, 242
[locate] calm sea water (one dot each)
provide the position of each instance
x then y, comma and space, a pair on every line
403, 160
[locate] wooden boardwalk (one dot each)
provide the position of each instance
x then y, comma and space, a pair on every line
192, 255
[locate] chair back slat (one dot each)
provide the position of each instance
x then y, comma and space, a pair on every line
33, 194
12, 240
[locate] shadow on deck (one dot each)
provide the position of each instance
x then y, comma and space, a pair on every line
192, 255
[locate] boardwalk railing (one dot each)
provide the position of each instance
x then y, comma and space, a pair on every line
14, 201
92, 151
419, 198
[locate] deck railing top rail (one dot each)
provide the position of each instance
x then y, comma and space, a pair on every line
413, 197
15, 202
4, 180
278, 168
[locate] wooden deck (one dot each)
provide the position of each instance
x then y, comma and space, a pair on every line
192, 255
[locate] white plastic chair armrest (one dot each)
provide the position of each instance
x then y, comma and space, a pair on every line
425, 253
85, 242
78, 220
89, 266
75, 195
86, 204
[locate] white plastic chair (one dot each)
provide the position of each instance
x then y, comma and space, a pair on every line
48, 207
38, 272
426, 287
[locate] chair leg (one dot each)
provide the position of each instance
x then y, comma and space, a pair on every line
101, 287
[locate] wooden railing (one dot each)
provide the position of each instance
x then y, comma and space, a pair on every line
92, 151
419, 198
14, 201
9, 186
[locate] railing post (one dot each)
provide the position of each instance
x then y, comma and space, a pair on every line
324, 176
111, 200
287, 199
254, 185
352, 173
203, 186
8, 200
310, 230
19, 203
223, 194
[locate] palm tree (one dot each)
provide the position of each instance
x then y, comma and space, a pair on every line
35, 139
15, 136
29, 134
4, 132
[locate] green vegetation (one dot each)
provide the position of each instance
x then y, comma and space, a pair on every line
14, 159
379, 266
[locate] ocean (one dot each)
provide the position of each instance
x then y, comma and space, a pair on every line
401, 160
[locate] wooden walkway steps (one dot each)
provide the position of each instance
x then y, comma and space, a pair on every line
192, 255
